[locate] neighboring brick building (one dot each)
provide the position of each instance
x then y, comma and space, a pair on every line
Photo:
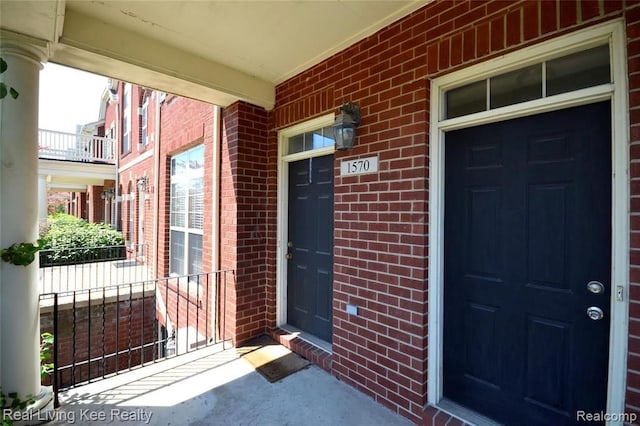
128, 115
173, 136
499, 274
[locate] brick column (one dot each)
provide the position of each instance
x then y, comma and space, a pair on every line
95, 208
243, 204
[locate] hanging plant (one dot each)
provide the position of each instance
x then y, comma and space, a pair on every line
21, 254
4, 89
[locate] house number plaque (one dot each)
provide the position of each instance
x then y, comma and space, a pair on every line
359, 166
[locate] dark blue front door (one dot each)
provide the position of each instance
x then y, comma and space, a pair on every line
527, 228
310, 246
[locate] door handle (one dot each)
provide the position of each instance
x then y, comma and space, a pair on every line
595, 313
289, 256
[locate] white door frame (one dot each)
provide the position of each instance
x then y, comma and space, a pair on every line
283, 201
617, 92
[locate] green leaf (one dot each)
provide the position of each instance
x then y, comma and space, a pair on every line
14, 93
3, 90
47, 338
46, 341
3, 65
20, 254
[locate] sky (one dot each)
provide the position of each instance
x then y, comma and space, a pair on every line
68, 97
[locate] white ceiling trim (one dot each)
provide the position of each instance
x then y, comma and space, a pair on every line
87, 39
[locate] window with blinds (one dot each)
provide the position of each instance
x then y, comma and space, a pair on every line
186, 212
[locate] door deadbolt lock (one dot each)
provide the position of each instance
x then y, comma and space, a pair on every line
595, 313
595, 287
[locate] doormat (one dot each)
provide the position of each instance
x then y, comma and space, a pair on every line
272, 360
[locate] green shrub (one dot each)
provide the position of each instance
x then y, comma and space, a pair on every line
68, 239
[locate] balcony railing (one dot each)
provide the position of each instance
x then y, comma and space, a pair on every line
54, 145
93, 267
106, 331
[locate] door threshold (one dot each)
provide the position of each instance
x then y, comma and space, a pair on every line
307, 337
464, 414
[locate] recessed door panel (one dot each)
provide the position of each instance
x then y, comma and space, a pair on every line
527, 227
310, 246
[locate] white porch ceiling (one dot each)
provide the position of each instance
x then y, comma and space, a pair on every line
216, 51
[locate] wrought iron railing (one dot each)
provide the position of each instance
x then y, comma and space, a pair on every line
75, 147
93, 267
101, 333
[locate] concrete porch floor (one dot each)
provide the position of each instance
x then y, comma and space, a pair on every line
217, 387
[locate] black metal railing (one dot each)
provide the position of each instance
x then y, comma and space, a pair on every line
102, 332
93, 267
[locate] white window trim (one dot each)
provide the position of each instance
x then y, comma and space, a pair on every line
144, 136
283, 201
131, 207
614, 33
127, 117
140, 237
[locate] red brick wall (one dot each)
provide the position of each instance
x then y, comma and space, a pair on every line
189, 304
81, 205
89, 205
129, 179
109, 327
96, 204
381, 231
133, 168
632, 17
245, 202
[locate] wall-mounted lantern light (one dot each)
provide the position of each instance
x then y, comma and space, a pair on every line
344, 127
142, 184
107, 194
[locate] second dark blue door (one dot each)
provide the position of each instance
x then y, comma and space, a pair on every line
310, 246
527, 253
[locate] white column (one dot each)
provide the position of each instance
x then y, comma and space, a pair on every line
43, 200
19, 305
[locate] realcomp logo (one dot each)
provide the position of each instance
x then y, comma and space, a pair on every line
602, 416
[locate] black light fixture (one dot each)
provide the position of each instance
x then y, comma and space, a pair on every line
107, 194
344, 127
